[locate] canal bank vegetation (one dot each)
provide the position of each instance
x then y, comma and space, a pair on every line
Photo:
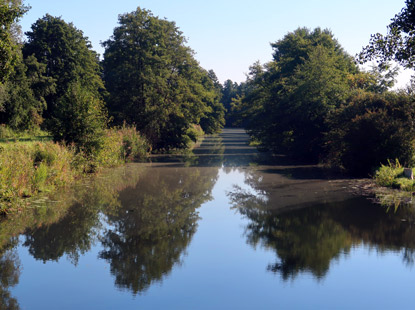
30, 168
148, 94
313, 102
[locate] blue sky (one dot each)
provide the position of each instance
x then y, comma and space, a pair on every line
228, 35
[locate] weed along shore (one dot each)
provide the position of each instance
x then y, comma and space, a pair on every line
30, 169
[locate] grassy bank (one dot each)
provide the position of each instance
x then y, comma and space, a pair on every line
392, 176
391, 188
30, 168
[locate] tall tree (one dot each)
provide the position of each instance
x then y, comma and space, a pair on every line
26, 90
289, 98
153, 79
10, 12
230, 91
214, 118
75, 69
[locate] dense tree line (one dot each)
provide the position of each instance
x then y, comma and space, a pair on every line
313, 102
148, 78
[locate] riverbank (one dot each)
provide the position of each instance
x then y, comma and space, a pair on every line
28, 169
385, 196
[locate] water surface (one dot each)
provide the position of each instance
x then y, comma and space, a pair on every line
225, 227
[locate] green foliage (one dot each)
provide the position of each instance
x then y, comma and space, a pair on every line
43, 155
214, 117
230, 92
40, 176
398, 43
313, 103
121, 145
370, 129
194, 132
7, 134
26, 169
288, 100
134, 146
72, 90
391, 175
386, 174
25, 103
404, 184
9, 14
154, 81
29, 168
80, 119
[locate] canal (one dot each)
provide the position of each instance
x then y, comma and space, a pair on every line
223, 227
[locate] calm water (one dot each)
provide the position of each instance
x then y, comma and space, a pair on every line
223, 228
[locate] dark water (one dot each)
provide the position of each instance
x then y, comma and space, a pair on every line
223, 228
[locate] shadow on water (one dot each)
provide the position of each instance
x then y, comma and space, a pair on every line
306, 172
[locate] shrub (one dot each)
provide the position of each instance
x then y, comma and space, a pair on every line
34, 134
121, 145
6, 132
371, 129
134, 146
386, 174
404, 184
194, 132
80, 119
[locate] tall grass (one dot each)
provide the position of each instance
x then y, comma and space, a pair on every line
391, 175
28, 168
117, 146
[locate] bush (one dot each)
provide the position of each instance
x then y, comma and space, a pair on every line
371, 129
194, 132
404, 184
80, 119
34, 134
6, 132
391, 175
386, 174
120, 145
134, 146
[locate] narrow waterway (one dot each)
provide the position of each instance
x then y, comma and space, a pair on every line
225, 227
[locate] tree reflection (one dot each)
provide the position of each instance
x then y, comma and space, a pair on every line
157, 219
76, 230
72, 235
9, 277
307, 238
